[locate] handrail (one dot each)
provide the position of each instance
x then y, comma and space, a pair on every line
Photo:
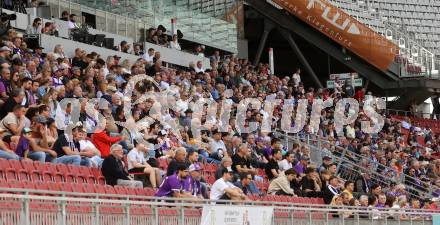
403, 177
174, 202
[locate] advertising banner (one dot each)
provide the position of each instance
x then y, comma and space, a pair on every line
236, 215
344, 29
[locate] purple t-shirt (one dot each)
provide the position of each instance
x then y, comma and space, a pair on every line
170, 185
299, 168
2, 87
192, 186
22, 146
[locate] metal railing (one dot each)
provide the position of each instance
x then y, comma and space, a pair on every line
20, 207
351, 165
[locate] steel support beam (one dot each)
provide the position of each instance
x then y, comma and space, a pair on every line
381, 79
288, 36
268, 27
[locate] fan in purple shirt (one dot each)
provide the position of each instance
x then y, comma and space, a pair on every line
174, 185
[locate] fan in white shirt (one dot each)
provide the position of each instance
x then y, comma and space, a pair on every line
199, 67
223, 189
149, 56
286, 163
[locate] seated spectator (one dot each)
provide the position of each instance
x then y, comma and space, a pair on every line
225, 163
174, 185
281, 184
331, 190
49, 29
381, 201
72, 22
349, 188
223, 189
174, 44
13, 123
29, 148
326, 162
199, 67
5, 151
179, 159
149, 56
65, 16
35, 28
67, 148
311, 184
138, 164
16, 98
363, 184
245, 184
216, 150
113, 169
286, 163
301, 166
125, 47
102, 140
192, 182
272, 169
90, 149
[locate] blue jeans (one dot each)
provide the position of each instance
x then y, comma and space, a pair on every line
69, 159
85, 161
37, 156
8, 155
208, 158
253, 188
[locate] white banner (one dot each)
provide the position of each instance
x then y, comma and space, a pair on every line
236, 215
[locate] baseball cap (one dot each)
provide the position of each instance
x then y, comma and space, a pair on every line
5, 48
2, 130
305, 158
227, 170
194, 167
26, 130
327, 158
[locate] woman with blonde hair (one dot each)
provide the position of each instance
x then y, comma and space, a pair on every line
50, 99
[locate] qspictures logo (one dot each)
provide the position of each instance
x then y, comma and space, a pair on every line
209, 114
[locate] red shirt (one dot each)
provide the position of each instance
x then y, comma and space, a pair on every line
103, 142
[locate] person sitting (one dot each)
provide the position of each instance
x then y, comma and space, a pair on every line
281, 184
138, 164
27, 147
331, 190
35, 28
225, 163
223, 189
192, 182
245, 184
113, 169
286, 163
5, 151
179, 158
67, 148
349, 188
311, 184
174, 185
272, 168
102, 140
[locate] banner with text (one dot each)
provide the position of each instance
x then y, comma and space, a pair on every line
236, 215
344, 29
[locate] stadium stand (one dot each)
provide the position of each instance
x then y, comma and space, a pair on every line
392, 175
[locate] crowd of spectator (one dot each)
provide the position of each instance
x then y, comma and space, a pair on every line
33, 83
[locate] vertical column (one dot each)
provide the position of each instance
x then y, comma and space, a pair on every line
271, 64
174, 26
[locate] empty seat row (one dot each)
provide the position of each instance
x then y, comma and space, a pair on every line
38, 171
